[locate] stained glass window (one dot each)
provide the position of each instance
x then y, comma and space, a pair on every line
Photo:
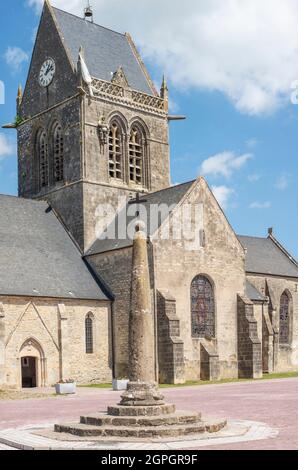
89, 334
202, 308
284, 319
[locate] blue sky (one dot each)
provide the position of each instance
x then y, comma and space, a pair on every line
243, 139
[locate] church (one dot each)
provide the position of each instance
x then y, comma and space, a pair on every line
93, 154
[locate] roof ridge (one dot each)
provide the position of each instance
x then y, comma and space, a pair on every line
283, 250
168, 188
23, 198
95, 24
252, 236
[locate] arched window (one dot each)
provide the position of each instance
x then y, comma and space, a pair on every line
43, 158
58, 148
89, 333
115, 151
136, 155
284, 319
202, 308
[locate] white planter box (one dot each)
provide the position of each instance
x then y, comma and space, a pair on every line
66, 389
119, 385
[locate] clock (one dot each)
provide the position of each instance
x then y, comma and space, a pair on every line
47, 72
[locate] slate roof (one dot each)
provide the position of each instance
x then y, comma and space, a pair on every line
253, 294
104, 50
37, 256
265, 257
170, 197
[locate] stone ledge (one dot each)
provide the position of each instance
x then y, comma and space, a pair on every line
145, 421
162, 431
43, 437
141, 410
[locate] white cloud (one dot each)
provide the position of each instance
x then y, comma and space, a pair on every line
254, 178
260, 205
224, 164
245, 49
6, 148
282, 182
222, 194
15, 57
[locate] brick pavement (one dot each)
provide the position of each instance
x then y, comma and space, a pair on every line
271, 402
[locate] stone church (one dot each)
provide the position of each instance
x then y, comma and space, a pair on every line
93, 131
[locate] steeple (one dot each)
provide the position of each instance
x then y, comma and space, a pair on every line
164, 92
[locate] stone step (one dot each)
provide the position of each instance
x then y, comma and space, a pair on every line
83, 430
145, 421
157, 410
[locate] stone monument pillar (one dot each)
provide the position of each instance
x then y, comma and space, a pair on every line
142, 388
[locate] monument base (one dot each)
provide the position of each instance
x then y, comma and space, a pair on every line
142, 394
142, 414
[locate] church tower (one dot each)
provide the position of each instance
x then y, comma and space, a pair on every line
91, 125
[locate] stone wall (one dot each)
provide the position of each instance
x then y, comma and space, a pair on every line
267, 342
115, 269
285, 357
249, 344
170, 345
37, 99
99, 188
209, 361
157, 162
68, 115
53, 331
221, 259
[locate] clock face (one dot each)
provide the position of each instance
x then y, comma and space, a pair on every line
47, 72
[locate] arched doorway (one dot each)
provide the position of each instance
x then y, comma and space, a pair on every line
32, 364
29, 372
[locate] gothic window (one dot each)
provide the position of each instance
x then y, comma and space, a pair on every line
89, 333
202, 308
43, 160
58, 147
115, 151
284, 319
136, 155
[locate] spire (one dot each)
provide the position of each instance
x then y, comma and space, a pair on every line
164, 92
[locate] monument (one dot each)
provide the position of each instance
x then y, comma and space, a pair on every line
142, 412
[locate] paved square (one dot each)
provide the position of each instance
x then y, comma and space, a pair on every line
273, 403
